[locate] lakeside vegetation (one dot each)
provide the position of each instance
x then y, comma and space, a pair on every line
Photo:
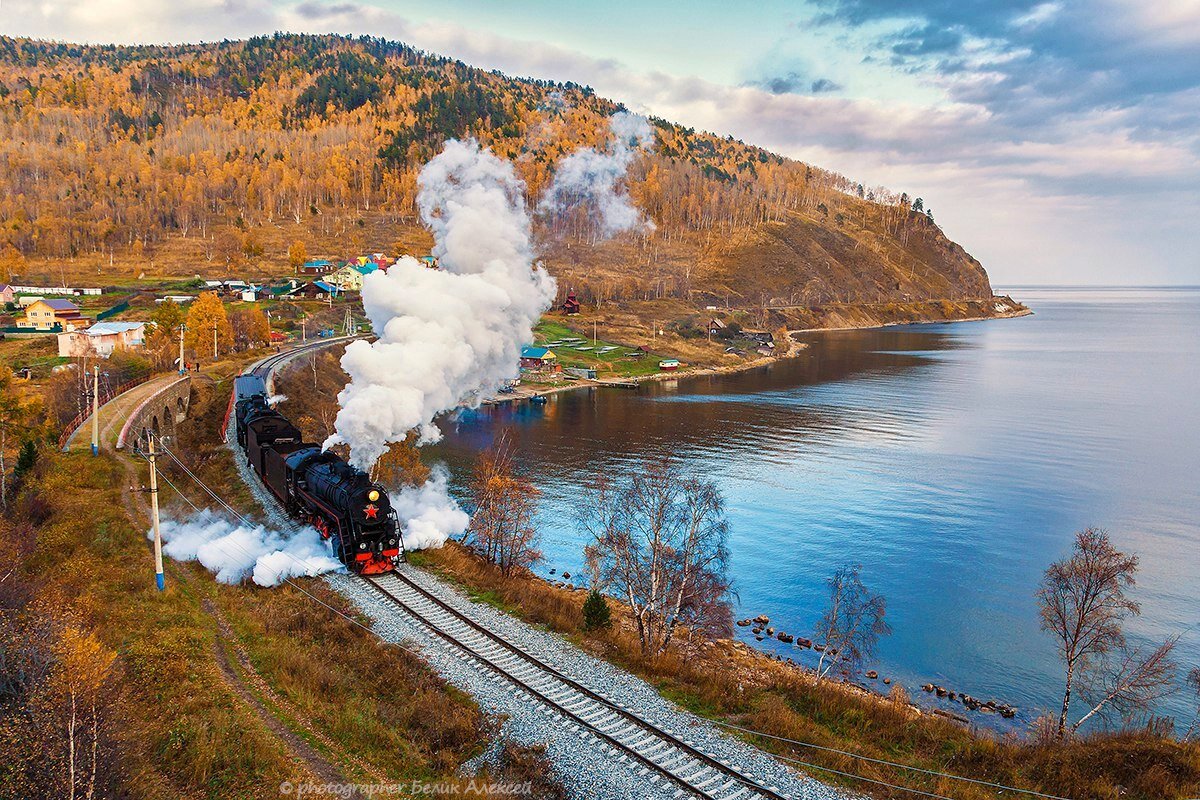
732, 684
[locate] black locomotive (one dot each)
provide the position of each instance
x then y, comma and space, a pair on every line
316, 487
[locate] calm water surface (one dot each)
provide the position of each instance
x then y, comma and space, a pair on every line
954, 462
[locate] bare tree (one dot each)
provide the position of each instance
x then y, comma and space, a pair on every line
1083, 604
1193, 682
852, 623
1131, 681
659, 542
505, 503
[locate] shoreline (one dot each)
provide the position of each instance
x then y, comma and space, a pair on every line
795, 348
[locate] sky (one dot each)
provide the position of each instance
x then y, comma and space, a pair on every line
1058, 141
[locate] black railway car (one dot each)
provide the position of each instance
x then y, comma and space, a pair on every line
315, 486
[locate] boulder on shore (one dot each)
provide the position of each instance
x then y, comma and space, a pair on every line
762, 619
872, 674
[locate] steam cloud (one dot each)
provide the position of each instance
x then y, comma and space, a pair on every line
447, 336
235, 551
428, 515
591, 176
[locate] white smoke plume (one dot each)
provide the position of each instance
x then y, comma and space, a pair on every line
276, 399
428, 515
447, 336
234, 551
594, 177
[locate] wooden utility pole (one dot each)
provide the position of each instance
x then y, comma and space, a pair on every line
96, 409
182, 365
158, 562
214, 340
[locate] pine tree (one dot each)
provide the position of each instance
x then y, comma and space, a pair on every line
26, 460
596, 614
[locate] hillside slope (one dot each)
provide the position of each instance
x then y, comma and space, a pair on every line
206, 158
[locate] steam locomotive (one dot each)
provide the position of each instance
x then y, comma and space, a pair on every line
316, 487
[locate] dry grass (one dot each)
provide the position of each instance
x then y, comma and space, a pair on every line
371, 710
729, 682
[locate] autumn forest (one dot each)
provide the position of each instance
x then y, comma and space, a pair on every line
198, 158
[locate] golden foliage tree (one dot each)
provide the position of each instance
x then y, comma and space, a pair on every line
250, 328
297, 255
11, 263
505, 503
206, 317
401, 465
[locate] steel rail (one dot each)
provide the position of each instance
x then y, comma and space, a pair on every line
729, 774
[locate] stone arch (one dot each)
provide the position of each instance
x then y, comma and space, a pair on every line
180, 410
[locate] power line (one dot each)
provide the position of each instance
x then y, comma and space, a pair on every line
288, 581
810, 745
888, 763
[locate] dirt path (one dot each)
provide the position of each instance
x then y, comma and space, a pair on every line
243, 680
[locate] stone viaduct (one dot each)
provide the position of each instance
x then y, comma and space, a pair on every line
160, 413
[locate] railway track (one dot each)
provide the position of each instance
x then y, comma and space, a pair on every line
634, 739
658, 754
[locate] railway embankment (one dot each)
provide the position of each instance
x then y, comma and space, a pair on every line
834, 730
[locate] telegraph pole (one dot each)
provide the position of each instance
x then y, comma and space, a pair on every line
182, 366
158, 562
303, 331
95, 409
214, 340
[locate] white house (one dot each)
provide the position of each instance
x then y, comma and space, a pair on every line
102, 339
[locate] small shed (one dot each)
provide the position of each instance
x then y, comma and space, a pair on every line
538, 358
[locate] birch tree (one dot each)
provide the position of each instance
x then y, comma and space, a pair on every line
502, 527
852, 623
1083, 604
659, 542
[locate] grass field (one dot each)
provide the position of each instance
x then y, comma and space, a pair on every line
613, 364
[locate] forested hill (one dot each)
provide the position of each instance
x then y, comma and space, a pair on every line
199, 158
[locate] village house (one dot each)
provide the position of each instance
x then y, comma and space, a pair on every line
715, 326
350, 277
539, 359
102, 339
47, 315
313, 290
316, 267
6, 293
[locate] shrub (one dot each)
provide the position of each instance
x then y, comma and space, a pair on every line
596, 613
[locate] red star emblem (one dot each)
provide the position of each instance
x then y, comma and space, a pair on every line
372, 511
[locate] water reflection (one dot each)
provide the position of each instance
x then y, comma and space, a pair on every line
953, 462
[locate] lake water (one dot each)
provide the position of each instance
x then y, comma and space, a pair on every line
954, 462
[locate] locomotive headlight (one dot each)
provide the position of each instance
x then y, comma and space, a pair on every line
362, 545
373, 495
